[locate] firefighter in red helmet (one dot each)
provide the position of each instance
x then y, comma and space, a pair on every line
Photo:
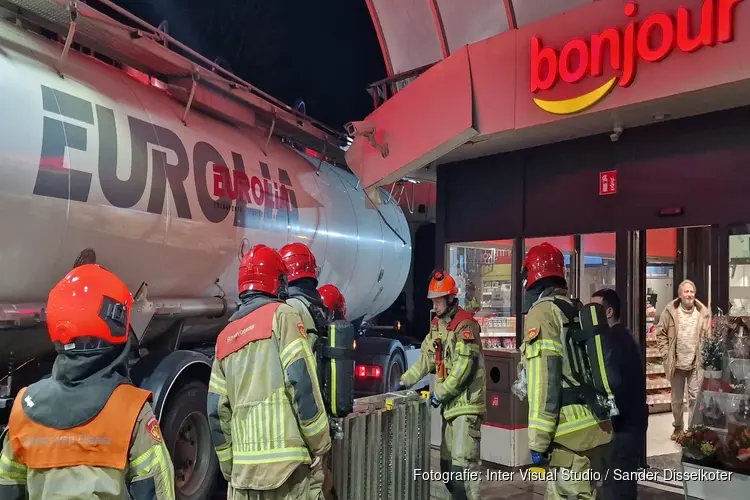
303, 292
453, 352
334, 301
89, 396
263, 364
562, 432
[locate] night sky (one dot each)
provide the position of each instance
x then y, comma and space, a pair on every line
323, 51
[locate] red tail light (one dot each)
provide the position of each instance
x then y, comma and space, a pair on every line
367, 371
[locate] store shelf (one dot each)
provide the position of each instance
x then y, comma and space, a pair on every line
659, 407
655, 399
497, 334
658, 385
655, 371
652, 352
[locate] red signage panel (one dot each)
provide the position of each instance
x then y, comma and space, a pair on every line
607, 182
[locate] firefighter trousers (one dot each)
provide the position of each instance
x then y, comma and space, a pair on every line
459, 454
299, 486
576, 473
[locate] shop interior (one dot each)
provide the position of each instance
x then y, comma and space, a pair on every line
485, 275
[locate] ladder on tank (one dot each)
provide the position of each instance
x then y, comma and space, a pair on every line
190, 78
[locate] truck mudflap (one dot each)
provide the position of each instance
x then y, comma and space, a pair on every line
380, 446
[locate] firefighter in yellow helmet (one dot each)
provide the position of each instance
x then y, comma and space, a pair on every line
265, 407
563, 431
472, 304
453, 352
87, 431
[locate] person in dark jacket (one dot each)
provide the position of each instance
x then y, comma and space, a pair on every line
629, 388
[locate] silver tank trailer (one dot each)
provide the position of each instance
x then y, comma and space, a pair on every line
100, 160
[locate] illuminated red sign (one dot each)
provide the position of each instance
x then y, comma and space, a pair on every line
607, 182
495, 401
580, 58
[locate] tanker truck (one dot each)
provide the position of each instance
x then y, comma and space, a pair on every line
121, 146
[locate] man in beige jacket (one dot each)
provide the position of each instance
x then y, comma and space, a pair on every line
682, 327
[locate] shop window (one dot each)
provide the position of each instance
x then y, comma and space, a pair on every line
483, 272
739, 271
598, 264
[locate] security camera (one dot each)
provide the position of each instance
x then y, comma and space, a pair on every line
360, 128
616, 133
367, 130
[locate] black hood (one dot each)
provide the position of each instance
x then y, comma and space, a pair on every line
251, 301
310, 293
79, 387
450, 311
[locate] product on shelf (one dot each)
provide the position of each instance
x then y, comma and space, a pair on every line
743, 412
736, 451
655, 368
656, 382
713, 415
717, 385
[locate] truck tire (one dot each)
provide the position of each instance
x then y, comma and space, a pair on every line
393, 371
188, 439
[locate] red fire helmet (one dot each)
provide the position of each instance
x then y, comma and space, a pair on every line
299, 260
441, 284
89, 303
333, 299
262, 270
543, 261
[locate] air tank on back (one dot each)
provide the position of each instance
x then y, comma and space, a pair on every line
100, 160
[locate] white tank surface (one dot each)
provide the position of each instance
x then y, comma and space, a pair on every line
97, 159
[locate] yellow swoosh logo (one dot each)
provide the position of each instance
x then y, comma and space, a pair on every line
576, 104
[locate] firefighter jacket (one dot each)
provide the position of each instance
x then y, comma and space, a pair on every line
473, 305
460, 383
302, 307
119, 454
264, 404
547, 368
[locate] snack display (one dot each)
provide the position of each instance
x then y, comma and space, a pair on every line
498, 332
658, 388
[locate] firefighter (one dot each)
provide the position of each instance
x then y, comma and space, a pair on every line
303, 293
303, 296
453, 351
334, 301
268, 422
472, 304
562, 435
87, 431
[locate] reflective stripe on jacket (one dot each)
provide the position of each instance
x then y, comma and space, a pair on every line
265, 407
573, 426
462, 391
301, 306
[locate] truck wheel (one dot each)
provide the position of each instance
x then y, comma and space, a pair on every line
394, 370
188, 439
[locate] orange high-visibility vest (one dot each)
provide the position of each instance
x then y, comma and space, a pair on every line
104, 441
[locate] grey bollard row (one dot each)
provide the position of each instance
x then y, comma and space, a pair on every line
377, 448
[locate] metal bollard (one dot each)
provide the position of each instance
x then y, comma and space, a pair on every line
379, 445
